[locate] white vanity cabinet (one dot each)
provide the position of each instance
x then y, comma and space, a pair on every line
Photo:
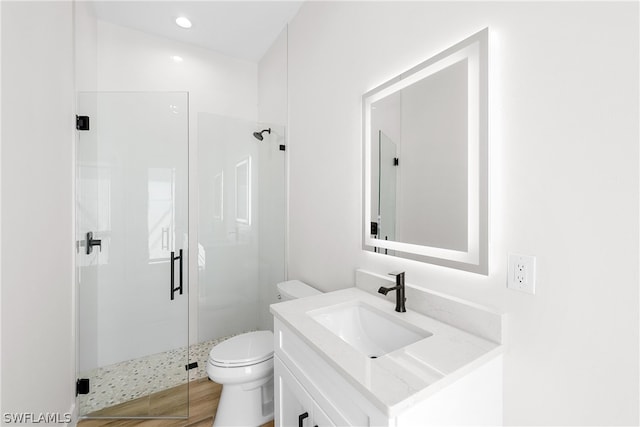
297, 407
304, 383
450, 377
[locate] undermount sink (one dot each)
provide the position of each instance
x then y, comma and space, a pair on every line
367, 329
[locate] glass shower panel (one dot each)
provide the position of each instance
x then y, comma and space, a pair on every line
272, 214
132, 195
241, 225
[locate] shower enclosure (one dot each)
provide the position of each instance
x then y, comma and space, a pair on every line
135, 312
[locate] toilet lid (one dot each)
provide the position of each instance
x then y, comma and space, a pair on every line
244, 349
294, 289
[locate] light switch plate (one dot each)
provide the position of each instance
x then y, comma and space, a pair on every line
521, 273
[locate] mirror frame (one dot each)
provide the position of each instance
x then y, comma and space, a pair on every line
475, 258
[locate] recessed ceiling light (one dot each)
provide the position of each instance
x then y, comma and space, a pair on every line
183, 22
176, 58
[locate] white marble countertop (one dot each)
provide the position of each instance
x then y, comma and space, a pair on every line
398, 380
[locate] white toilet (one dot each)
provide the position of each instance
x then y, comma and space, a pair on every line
244, 366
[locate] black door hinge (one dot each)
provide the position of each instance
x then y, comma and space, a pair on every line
396, 161
374, 228
282, 147
82, 386
82, 122
191, 365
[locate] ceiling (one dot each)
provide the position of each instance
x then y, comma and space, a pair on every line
241, 29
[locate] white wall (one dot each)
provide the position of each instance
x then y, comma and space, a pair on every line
86, 47
130, 60
564, 181
37, 207
272, 82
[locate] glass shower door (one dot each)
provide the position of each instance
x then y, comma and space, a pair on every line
132, 266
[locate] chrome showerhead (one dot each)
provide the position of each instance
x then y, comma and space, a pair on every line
258, 135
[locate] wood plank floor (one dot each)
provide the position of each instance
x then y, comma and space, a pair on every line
204, 396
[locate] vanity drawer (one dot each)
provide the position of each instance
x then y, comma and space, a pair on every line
338, 399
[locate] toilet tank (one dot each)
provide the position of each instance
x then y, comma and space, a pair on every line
294, 289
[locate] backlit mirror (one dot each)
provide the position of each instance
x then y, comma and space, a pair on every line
426, 160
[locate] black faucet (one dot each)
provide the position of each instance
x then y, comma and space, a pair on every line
399, 288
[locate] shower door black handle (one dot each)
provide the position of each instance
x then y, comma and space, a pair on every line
90, 242
175, 258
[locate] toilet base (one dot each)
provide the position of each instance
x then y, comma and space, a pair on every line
240, 406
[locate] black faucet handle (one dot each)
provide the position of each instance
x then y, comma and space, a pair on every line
399, 277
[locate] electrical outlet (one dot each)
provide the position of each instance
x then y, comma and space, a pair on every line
521, 273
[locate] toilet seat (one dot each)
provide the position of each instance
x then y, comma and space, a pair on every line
243, 350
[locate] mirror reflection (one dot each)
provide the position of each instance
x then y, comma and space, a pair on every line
420, 134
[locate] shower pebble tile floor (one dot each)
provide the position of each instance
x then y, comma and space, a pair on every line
131, 379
